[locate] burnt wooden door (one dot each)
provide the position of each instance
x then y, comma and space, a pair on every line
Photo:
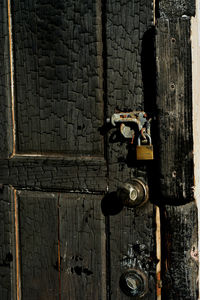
65, 67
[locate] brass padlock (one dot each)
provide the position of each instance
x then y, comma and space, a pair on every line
144, 152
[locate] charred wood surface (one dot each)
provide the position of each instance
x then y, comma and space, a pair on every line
174, 112
180, 252
54, 173
58, 76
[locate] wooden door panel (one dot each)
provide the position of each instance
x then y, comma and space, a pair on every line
128, 24
83, 247
37, 245
53, 138
59, 246
132, 241
65, 64
61, 173
58, 76
6, 251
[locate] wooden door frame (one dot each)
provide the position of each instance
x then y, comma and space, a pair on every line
195, 39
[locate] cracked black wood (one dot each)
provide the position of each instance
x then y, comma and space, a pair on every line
169, 9
58, 111
63, 53
180, 252
5, 92
174, 111
58, 107
68, 173
127, 25
175, 177
38, 244
58, 75
82, 247
132, 246
61, 244
6, 256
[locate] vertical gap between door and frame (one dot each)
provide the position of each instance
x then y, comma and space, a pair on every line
11, 78
158, 222
59, 267
17, 250
105, 101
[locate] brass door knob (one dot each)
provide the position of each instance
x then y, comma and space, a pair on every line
134, 193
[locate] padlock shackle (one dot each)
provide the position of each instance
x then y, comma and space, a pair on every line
147, 135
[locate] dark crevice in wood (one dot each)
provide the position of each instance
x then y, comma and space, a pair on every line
108, 259
105, 88
12, 61
59, 258
157, 9
57, 190
148, 65
149, 73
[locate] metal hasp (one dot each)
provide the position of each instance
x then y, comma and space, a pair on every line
133, 194
135, 124
134, 283
128, 119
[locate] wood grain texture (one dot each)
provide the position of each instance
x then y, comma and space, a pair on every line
54, 173
5, 91
6, 256
58, 73
82, 244
180, 252
174, 182
62, 247
38, 238
171, 9
132, 245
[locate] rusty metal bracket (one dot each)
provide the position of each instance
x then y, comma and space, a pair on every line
126, 119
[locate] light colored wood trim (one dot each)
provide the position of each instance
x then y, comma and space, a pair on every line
154, 12
195, 38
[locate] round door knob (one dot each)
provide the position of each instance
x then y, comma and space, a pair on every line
133, 194
133, 283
